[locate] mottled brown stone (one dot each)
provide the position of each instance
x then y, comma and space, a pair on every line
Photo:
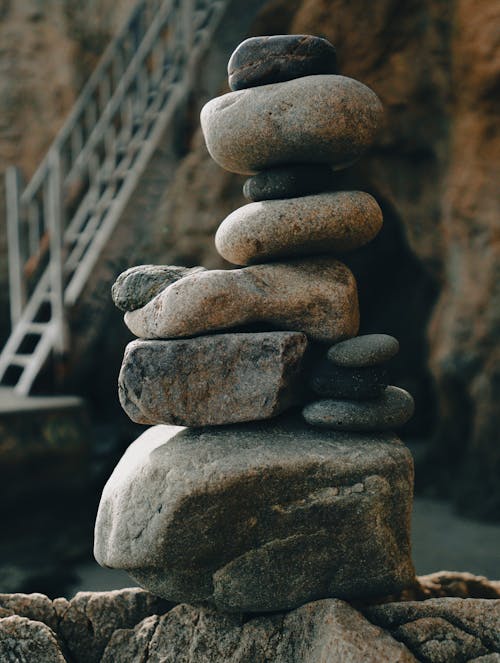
324, 223
317, 297
318, 119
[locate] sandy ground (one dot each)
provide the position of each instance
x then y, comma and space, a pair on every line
441, 541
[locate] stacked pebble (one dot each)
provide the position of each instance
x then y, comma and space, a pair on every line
355, 381
265, 515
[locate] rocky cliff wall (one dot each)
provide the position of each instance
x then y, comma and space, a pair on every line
431, 278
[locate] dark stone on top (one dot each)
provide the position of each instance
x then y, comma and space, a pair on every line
342, 382
367, 350
393, 408
264, 60
288, 182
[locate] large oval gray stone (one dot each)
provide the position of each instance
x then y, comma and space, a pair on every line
210, 380
259, 517
317, 297
317, 119
327, 222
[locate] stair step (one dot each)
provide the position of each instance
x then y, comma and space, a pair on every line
20, 360
36, 327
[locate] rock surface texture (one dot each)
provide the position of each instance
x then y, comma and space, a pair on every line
131, 626
259, 517
325, 223
212, 380
317, 297
316, 119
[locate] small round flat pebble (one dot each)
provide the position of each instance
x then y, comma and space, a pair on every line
393, 408
288, 182
277, 58
343, 382
365, 350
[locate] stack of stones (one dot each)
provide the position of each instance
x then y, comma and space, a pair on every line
224, 502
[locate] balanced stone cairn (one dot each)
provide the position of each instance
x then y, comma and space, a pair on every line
224, 502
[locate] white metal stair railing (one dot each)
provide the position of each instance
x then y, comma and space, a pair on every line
59, 223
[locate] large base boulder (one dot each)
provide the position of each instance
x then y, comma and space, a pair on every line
259, 517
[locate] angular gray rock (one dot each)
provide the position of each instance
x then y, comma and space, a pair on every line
316, 119
259, 517
365, 350
324, 223
210, 380
136, 286
25, 641
392, 409
320, 632
314, 296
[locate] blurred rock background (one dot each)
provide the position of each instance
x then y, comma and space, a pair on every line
431, 278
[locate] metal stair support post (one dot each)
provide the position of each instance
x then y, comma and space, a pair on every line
16, 290
54, 213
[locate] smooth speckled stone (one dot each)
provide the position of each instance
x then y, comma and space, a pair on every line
288, 182
342, 382
366, 350
212, 380
316, 119
393, 408
277, 58
315, 296
138, 285
327, 222
259, 517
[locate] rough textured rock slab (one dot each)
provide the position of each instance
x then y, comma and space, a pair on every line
316, 119
393, 408
25, 641
447, 629
365, 350
259, 517
323, 223
82, 627
340, 382
138, 285
92, 617
288, 182
317, 297
322, 631
209, 380
277, 58
131, 626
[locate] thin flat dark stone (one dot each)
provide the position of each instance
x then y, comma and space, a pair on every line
352, 383
291, 181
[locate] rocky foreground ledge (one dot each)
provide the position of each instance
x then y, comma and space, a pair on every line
444, 617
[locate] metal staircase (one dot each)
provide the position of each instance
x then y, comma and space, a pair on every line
60, 221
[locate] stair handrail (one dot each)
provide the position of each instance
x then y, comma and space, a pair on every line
93, 165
